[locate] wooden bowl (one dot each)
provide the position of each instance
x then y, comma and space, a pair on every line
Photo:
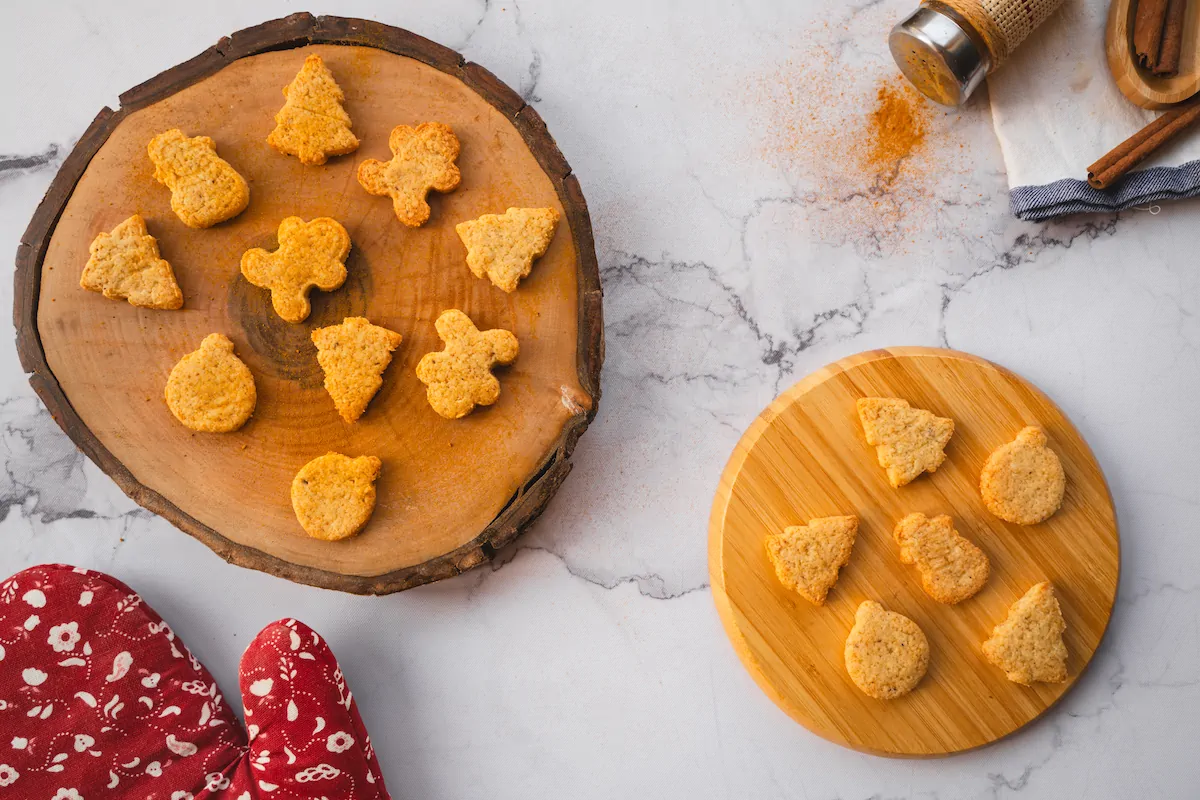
1142, 87
451, 492
805, 457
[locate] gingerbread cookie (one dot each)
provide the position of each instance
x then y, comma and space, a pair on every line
310, 254
807, 557
459, 377
125, 264
422, 159
211, 389
503, 246
1023, 481
1028, 645
205, 190
952, 568
907, 440
887, 653
353, 356
313, 125
333, 495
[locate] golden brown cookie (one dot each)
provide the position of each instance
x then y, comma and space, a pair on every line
807, 557
125, 264
503, 246
313, 125
1023, 481
353, 356
459, 377
422, 159
886, 653
907, 440
211, 389
1028, 645
333, 495
952, 568
205, 190
310, 254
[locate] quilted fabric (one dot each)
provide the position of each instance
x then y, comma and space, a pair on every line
100, 699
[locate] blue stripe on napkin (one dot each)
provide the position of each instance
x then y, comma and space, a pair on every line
1073, 196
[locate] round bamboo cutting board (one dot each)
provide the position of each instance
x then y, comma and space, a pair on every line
451, 491
806, 457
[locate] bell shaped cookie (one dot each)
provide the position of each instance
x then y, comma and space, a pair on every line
334, 495
211, 389
807, 558
1028, 645
887, 653
1023, 481
908, 441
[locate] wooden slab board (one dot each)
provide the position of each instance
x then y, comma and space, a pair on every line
805, 457
1139, 85
451, 491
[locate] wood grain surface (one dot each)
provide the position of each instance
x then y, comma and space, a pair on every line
1139, 85
805, 457
450, 492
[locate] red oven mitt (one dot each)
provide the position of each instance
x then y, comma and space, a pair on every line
100, 699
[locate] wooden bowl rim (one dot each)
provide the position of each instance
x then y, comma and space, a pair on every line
300, 30
722, 497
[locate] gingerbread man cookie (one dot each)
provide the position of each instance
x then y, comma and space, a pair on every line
503, 246
205, 190
125, 264
460, 377
310, 254
313, 125
422, 159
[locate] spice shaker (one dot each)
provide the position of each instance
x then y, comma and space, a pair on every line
947, 47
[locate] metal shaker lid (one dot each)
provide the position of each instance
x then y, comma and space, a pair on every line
939, 53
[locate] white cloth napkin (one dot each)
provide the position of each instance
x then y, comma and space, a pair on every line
1056, 109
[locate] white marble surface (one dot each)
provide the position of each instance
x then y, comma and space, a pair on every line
591, 663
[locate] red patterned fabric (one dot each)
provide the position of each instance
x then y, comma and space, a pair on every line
100, 699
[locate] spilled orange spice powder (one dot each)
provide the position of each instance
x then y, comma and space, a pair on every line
895, 127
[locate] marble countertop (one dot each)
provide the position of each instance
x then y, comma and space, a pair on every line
739, 251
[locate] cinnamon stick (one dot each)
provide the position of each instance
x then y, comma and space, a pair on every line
1131, 152
1172, 39
1148, 23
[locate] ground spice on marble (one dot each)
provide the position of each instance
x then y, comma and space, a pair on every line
896, 126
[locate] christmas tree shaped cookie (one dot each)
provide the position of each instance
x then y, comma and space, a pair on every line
907, 440
1028, 645
503, 246
313, 125
354, 356
807, 557
125, 264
